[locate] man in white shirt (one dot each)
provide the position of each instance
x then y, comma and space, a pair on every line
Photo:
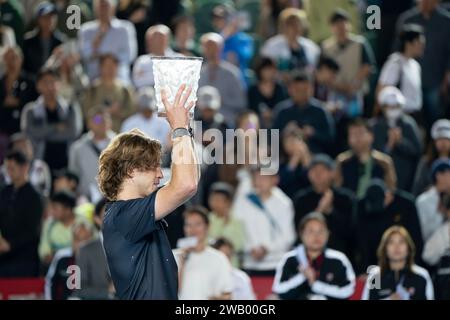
147, 119
204, 272
157, 39
403, 71
268, 218
107, 35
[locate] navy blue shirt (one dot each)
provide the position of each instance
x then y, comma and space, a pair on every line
138, 252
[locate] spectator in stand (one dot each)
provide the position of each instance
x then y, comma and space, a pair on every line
204, 272
242, 285
267, 92
157, 40
312, 271
435, 61
267, 215
17, 88
306, 114
380, 209
184, 33
223, 76
95, 278
429, 203
107, 34
397, 276
397, 134
439, 148
269, 16
147, 119
401, 70
21, 209
65, 180
56, 232
295, 160
12, 17
110, 92
57, 277
84, 153
7, 40
222, 223
336, 204
290, 49
40, 42
325, 76
51, 122
357, 166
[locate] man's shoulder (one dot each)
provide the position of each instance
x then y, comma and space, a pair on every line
92, 245
229, 68
345, 157
382, 158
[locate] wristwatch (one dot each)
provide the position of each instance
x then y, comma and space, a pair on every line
179, 132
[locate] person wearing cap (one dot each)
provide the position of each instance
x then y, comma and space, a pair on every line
84, 153
336, 204
107, 34
312, 271
439, 148
221, 221
396, 133
42, 41
147, 119
428, 203
379, 209
402, 71
356, 62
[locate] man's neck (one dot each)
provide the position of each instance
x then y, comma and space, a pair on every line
200, 247
397, 265
342, 39
265, 195
45, 34
20, 183
364, 156
407, 54
302, 104
427, 14
97, 137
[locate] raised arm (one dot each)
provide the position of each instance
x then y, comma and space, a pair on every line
185, 172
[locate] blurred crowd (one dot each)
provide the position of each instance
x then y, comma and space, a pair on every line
364, 176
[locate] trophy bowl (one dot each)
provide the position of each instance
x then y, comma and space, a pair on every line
170, 73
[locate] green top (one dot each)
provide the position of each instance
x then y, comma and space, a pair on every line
233, 230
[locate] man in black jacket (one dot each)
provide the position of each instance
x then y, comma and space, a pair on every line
20, 220
40, 42
336, 204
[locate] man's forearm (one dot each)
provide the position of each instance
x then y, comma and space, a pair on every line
185, 165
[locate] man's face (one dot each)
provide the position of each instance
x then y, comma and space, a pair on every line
100, 124
397, 248
103, 9
147, 181
108, 69
211, 50
219, 23
340, 29
418, 46
47, 86
15, 171
300, 92
320, 175
442, 145
47, 23
293, 29
314, 236
219, 203
64, 183
325, 75
195, 226
427, 6
263, 184
79, 236
157, 43
443, 181
185, 31
59, 211
359, 139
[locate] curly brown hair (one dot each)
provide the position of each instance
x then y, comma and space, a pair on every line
127, 152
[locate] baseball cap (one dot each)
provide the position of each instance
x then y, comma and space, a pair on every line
441, 129
45, 8
322, 159
439, 165
208, 97
391, 96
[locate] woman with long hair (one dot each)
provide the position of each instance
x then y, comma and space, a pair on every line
397, 277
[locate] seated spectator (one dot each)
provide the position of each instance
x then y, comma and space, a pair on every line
264, 95
357, 166
267, 215
147, 119
7, 40
56, 232
356, 61
221, 223
325, 76
295, 159
428, 203
397, 134
95, 278
40, 42
157, 39
439, 148
380, 209
312, 271
51, 122
223, 76
57, 278
306, 113
21, 209
396, 277
289, 48
107, 35
17, 88
401, 70
183, 34
204, 272
238, 45
84, 153
335, 204
110, 92
242, 285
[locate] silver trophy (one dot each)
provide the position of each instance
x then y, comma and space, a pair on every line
170, 73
